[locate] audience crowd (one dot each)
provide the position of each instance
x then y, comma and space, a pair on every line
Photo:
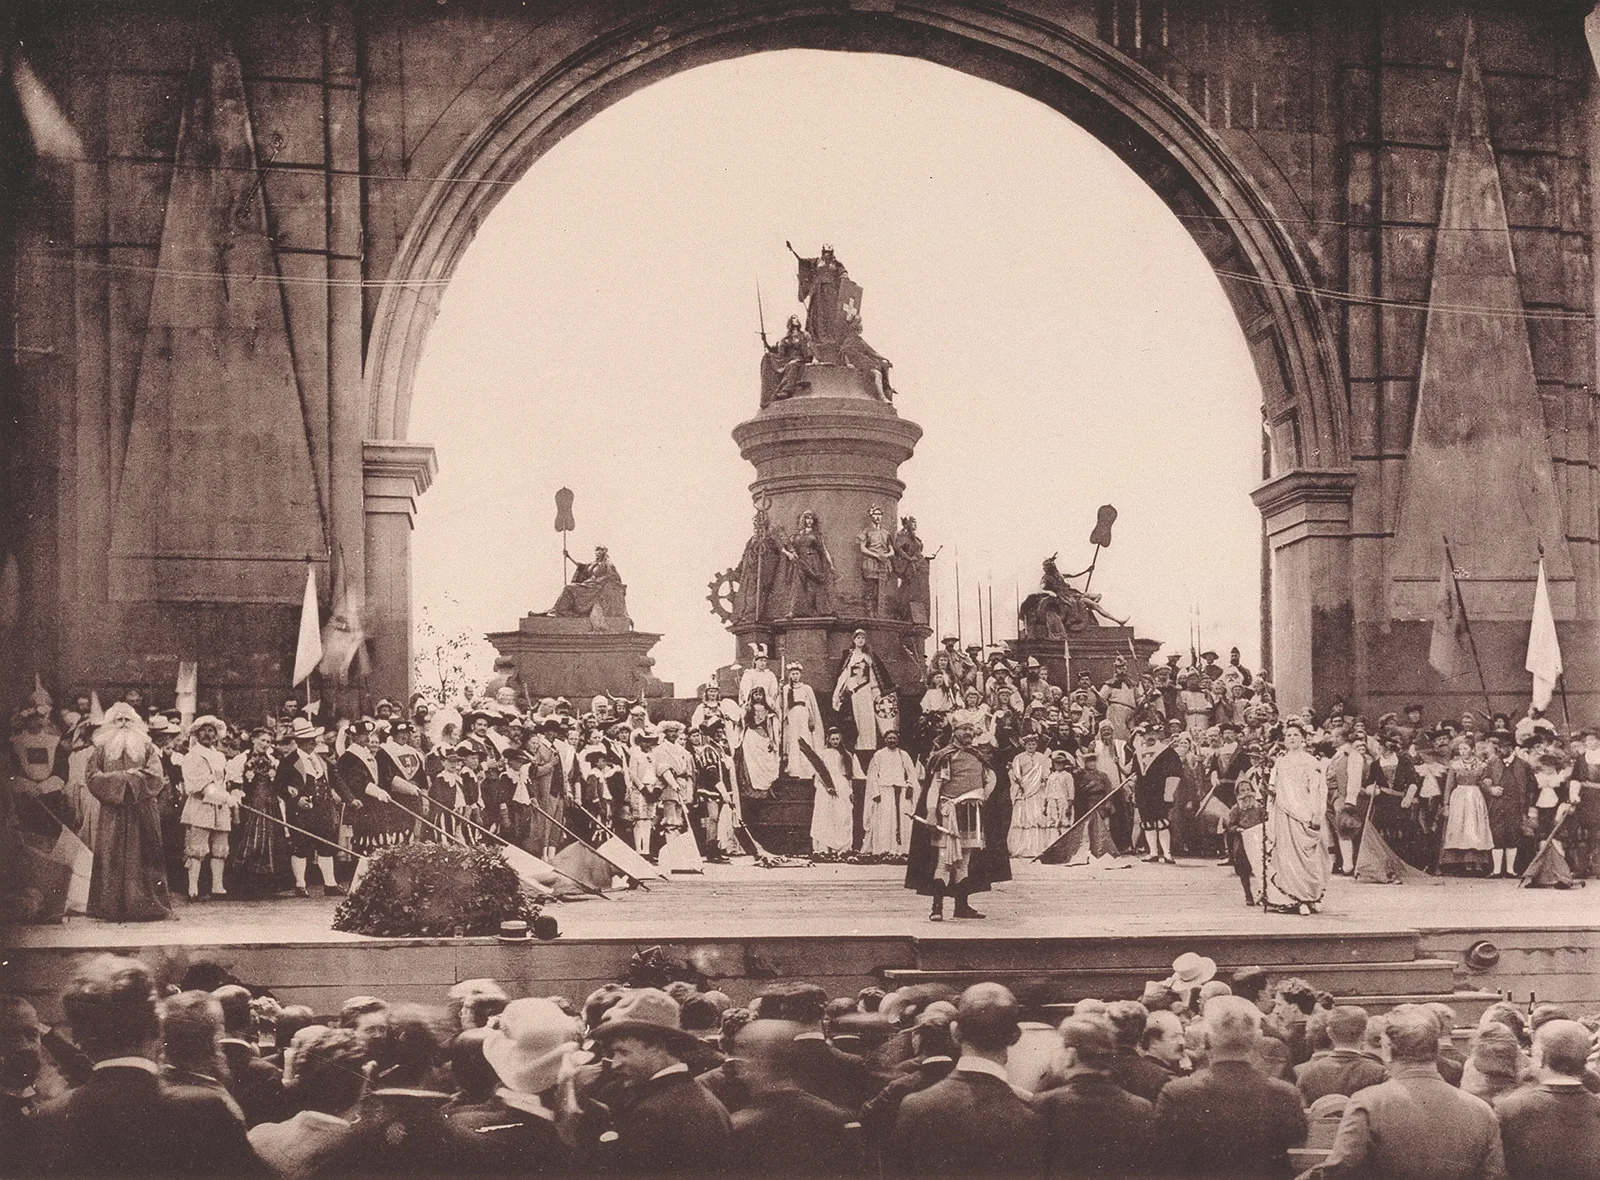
660, 1075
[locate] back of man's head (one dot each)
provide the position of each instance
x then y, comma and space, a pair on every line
803, 1003
111, 1006
988, 1018
1543, 1014
1561, 1047
191, 1026
1411, 1034
474, 1076
1249, 982
766, 1054
1128, 1018
235, 1001
1445, 1015
1092, 1039
328, 1074
1347, 1026
1233, 1026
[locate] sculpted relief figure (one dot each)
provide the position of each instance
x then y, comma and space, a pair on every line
759, 569
810, 569
911, 567
877, 564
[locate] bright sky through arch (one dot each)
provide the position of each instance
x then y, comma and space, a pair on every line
1054, 329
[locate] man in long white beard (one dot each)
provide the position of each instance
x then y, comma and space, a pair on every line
124, 774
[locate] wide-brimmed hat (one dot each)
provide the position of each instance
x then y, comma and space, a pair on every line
304, 731
649, 1014
215, 723
527, 1043
1190, 970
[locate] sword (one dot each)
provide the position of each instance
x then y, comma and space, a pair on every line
761, 317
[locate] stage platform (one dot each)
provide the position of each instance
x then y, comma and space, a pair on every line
1054, 933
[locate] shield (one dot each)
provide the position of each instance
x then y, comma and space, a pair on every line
850, 301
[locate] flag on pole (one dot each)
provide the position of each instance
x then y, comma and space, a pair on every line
1448, 653
344, 636
1544, 652
308, 651
188, 689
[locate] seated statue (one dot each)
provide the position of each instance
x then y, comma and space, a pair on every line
596, 591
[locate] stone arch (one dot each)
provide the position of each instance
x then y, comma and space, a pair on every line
1137, 115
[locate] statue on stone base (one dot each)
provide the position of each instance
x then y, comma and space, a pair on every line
911, 567
877, 564
1060, 607
809, 570
858, 354
596, 591
783, 365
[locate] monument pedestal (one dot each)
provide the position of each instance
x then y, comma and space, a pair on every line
1093, 650
578, 658
834, 451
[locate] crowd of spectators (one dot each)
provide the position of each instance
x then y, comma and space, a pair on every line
660, 1075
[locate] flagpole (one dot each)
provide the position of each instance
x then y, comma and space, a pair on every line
958, 598
1466, 625
1561, 680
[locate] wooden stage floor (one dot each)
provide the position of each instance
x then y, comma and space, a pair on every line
831, 901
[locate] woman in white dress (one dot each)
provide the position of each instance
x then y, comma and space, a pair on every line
1468, 837
1296, 875
857, 691
757, 757
833, 804
1030, 773
801, 719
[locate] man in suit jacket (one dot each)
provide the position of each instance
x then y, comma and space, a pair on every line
256, 1086
1551, 1130
1093, 1125
1345, 1068
828, 1072
1415, 1126
974, 1122
124, 1121
784, 1130
669, 1123
1228, 1120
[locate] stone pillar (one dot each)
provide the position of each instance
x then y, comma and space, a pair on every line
1307, 515
395, 474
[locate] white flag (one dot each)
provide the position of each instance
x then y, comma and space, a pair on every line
1544, 653
308, 652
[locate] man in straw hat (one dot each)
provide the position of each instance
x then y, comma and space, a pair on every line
308, 801
208, 805
671, 1124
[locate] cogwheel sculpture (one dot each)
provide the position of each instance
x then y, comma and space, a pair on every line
724, 594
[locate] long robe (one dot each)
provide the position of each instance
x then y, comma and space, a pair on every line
756, 759
129, 882
833, 807
859, 688
1032, 831
891, 796
802, 720
1296, 862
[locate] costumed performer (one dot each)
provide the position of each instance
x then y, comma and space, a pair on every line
833, 804
1030, 833
755, 762
1296, 862
129, 881
208, 805
803, 730
861, 682
891, 798
304, 784
959, 846
761, 676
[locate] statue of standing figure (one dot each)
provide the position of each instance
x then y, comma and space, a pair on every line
911, 567
759, 568
810, 569
877, 564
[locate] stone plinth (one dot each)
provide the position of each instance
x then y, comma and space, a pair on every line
1093, 650
836, 451
577, 658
